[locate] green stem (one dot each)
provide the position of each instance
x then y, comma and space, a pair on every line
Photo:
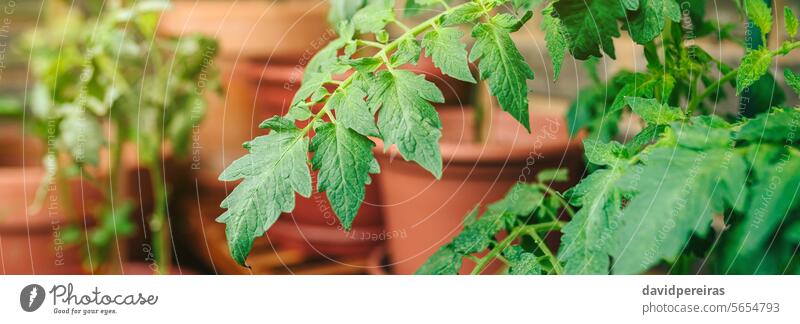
412, 32
785, 49
714, 87
531, 230
561, 200
161, 237
484, 262
546, 250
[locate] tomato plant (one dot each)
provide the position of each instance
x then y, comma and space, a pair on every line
104, 65
697, 190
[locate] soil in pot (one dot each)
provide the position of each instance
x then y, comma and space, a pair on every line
429, 213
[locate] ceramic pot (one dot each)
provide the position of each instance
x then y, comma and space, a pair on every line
429, 212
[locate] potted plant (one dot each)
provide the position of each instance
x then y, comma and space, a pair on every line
697, 190
100, 90
336, 119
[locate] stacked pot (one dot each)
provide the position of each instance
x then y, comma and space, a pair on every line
32, 226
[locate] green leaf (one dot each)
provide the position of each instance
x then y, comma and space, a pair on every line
791, 22
779, 126
463, 14
477, 236
503, 66
591, 25
444, 262
586, 244
273, 170
352, 110
754, 65
374, 17
363, 64
407, 52
648, 21
406, 117
553, 175
793, 80
604, 153
448, 53
678, 191
343, 158
772, 204
82, 135
760, 14
521, 200
556, 37
522, 263
653, 112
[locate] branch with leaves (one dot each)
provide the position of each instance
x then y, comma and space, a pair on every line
690, 193
368, 86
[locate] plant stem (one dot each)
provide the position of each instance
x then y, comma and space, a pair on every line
161, 237
502, 245
412, 32
546, 250
561, 200
697, 100
785, 49
484, 262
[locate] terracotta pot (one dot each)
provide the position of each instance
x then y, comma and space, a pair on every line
31, 242
430, 212
283, 31
140, 268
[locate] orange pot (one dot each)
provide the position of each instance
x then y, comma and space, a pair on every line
31, 241
429, 212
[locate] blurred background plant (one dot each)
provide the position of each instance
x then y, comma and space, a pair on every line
106, 82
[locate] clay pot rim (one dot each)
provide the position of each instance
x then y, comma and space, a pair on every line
470, 153
320, 234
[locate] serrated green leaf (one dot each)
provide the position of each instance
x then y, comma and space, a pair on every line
352, 110
754, 65
444, 262
522, 263
343, 158
772, 204
586, 244
779, 126
646, 23
463, 14
363, 65
793, 80
604, 153
553, 175
406, 117
556, 37
678, 190
760, 14
521, 200
448, 53
790, 20
591, 25
374, 17
477, 236
81, 135
273, 170
408, 51
501, 63
653, 112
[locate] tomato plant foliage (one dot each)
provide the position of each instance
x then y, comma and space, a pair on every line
696, 190
694, 186
374, 96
